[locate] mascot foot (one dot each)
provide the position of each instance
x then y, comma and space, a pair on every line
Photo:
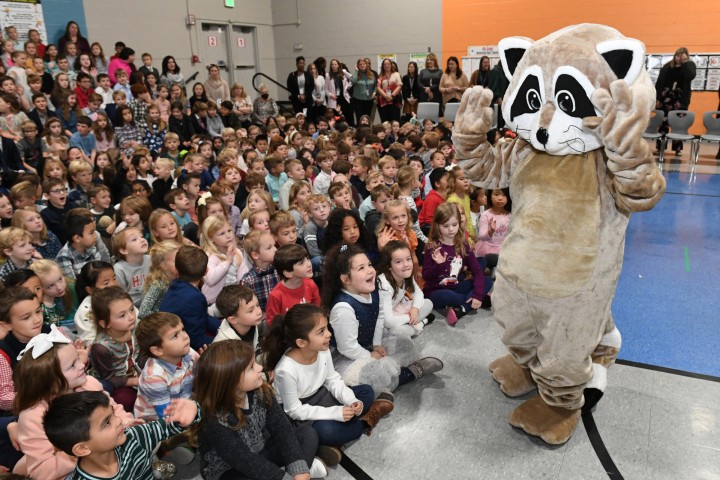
514, 380
554, 425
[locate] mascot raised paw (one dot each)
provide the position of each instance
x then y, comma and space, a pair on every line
578, 100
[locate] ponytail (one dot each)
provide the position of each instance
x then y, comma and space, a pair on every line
286, 329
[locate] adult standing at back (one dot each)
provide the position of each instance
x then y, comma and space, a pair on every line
216, 88
170, 74
430, 81
673, 87
411, 89
498, 83
72, 34
363, 93
301, 86
337, 87
389, 86
453, 83
481, 76
318, 95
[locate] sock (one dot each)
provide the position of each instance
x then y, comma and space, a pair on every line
406, 376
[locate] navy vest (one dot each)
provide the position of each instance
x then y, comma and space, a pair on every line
366, 314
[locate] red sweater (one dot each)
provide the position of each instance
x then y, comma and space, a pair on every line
425, 217
282, 298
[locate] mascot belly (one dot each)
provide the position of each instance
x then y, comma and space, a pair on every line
579, 100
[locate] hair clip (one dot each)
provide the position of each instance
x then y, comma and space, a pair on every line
343, 247
43, 342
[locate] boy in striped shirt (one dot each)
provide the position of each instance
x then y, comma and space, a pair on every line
168, 372
84, 425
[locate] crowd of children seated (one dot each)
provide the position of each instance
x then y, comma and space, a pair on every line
156, 250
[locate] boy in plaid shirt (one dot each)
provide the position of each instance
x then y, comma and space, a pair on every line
168, 372
262, 277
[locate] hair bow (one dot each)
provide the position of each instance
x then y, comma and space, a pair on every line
450, 167
203, 198
343, 247
43, 342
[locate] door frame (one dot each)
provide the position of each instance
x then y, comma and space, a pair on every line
228, 26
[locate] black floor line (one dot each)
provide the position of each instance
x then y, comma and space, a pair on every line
682, 373
590, 427
353, 469
599, 446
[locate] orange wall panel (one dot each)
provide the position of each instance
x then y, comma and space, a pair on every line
662, 25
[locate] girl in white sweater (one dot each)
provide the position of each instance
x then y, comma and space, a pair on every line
404, 307
309, 388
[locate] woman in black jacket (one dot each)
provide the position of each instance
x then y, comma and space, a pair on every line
410, 89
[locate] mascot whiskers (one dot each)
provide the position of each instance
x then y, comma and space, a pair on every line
579, 100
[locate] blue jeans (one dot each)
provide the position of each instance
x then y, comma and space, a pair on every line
317, 263
334, 433
453, 297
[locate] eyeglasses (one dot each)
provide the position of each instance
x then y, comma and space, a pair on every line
59, 190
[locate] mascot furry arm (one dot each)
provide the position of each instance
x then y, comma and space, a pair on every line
579, 100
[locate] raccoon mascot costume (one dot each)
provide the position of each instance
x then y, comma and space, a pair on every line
579, 100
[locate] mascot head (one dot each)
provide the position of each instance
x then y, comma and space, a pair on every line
552, 81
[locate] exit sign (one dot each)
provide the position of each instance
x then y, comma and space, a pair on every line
230, 3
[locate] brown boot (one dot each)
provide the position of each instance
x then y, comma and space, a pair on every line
514, 380
377, 410
554, 425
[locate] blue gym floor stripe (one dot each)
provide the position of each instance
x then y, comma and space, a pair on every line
353, 469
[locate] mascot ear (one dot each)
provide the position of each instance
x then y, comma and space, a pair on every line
512, 50
625, 56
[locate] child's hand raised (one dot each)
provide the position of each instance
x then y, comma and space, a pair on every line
385, 236
82, 351
438, 256
182, 411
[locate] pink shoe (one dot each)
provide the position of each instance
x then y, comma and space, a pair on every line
451, 317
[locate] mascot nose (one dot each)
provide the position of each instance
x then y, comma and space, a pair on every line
542, 135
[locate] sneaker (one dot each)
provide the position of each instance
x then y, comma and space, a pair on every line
330, 456
163, 470
451, 317
429, 319
378, 409
388, 396
318, 469
425, 366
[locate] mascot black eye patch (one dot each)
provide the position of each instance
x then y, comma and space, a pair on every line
528, 99
570, 97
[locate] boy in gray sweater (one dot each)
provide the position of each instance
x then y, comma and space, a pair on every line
133, 265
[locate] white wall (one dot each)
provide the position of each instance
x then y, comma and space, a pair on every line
349, 29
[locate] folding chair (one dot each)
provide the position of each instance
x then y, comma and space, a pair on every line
711, 120
680, 122
429, 110
451, 110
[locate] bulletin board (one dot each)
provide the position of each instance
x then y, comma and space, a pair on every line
708, 69
24, 15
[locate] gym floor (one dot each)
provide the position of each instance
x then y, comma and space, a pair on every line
659, 418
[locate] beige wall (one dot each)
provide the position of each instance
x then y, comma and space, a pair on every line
344, 29
158, 27
349, 29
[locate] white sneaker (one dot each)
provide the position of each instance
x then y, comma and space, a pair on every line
318, 469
